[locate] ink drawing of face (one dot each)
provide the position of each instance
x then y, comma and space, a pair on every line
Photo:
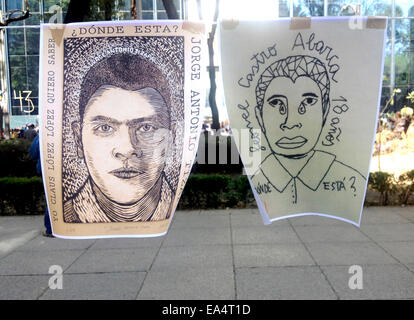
292, 115
124, 140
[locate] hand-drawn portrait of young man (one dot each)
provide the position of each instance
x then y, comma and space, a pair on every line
121, 134
293, 102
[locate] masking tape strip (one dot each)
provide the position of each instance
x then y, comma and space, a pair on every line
376, 22
57, 31
229, 24
300, 23
194, 27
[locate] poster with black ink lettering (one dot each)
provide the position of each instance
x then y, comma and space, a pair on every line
120, 121
304, 93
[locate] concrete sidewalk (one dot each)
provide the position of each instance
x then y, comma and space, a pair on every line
217, 254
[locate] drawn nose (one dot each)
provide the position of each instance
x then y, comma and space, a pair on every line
125, 148
127, 155
285, 126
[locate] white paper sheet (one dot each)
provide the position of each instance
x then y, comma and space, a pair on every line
307, 93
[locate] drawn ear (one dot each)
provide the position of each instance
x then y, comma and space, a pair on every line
78, 138
259, 118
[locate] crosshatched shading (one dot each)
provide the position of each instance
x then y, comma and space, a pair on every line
294, 67
106, 79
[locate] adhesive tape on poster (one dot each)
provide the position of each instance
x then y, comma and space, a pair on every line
229, 24
377, 23
300, 23
193, 27
57, 31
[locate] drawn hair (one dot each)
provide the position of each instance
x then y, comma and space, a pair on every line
143, 76
294, 67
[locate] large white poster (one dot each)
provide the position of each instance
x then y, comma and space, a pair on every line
307, 93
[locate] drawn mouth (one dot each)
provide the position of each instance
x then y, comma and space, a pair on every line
126, 173
296, 142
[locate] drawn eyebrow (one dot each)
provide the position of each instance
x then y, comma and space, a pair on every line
276, 96
309, 94
134, 122
130, 123
106, 119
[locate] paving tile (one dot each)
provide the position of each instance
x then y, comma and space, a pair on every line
390, 232
407, 213
114, 260
190, 283
127, 243
330, 233
378, 282
41, 243
221, 211
314, 220
36, 262
195, 259
271, 255
264, 234
102, 286
22, 287
282, 283
349, 253
197, 256
251, 218
403, 251
15, 241
377, 215
19, 224
200, 220
197, 236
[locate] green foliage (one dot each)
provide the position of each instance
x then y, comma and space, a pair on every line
405, 187
22, 196
15, 160
384, 183
215, 191
222, 146
104, 9
205, 191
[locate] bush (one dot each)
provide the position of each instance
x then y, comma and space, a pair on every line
22, 196
204, 191
15, 160
384, 183
214, 191
405, 187
222, 145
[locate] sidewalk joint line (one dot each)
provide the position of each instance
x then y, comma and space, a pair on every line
85, 250
232, 257
316, 263
150, 267
387, 252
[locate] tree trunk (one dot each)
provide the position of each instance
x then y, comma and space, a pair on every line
133, 10
212, 71
78, 10
169, 6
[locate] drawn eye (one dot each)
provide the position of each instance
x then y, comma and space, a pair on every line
307, 102
104, 129
277, 103
146, 128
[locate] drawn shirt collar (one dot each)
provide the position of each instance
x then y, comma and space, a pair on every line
311, 175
